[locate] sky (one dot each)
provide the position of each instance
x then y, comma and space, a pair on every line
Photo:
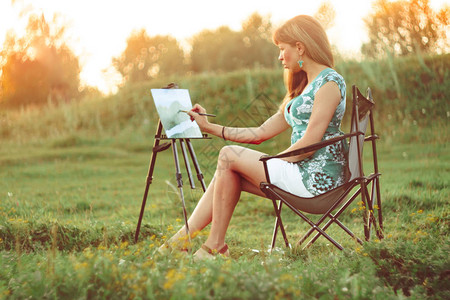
98, 29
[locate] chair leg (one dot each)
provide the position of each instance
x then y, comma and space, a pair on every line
314, 227
371, 220
278, 224
349, 232
374, 202
379, 210
366, 218
322, 232
333, 218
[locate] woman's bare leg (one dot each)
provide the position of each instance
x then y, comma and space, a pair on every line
199, 219
203, 212
235, 166
238, 169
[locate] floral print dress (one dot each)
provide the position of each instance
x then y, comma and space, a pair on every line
326, 168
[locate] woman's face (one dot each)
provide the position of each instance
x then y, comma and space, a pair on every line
289, 56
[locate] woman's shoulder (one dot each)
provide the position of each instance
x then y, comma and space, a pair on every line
331, 74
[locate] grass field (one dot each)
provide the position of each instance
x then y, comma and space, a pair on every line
68, 215
71, 185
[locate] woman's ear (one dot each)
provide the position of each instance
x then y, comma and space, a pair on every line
300, 48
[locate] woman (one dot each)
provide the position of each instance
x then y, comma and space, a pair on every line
313, 106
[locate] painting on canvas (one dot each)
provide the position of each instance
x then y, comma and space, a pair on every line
170, 103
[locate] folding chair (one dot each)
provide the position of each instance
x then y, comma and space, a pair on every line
333, 203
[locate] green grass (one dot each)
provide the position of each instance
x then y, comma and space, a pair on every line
72, 179
68, 215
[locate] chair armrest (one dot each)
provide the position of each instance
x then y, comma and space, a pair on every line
312, 147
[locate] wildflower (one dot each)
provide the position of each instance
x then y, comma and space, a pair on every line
171, 278
148, 263
354, 210
79, 266
432, 219
89, 254
191, 291
286, 277
123, 245
419, 234
420, 211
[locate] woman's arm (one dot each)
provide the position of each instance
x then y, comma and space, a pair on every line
251, 135
326, 101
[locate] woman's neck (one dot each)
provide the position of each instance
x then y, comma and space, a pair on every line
313, 69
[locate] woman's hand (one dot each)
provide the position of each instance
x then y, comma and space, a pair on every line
202, 121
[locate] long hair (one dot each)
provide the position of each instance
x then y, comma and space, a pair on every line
310, 33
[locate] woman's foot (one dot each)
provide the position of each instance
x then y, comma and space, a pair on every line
207, 253
170, 247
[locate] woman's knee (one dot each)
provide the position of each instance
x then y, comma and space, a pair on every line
228, 157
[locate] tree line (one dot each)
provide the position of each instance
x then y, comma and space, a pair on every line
39, 67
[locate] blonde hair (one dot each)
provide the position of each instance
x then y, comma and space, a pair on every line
310, 33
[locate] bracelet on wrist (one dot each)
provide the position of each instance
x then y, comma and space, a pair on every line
223, 133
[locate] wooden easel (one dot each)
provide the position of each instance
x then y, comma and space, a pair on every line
157, 147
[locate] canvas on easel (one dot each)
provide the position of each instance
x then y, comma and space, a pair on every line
170, 104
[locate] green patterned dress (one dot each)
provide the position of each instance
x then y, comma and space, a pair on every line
326, 168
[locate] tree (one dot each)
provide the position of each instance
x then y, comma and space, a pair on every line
38, 67
223, 49
259, 49
216, 50
326, 15
404, 26
148, 57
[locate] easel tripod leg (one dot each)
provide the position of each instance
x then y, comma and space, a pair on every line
144, 200
186, 162
156, 148
197, 167
180, 186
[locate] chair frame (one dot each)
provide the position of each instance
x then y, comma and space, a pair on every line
361, 182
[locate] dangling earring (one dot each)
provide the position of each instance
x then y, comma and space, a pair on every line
300, 63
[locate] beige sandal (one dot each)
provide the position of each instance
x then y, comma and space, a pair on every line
167, 249
207, 253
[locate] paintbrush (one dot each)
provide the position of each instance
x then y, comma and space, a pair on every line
201, 114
